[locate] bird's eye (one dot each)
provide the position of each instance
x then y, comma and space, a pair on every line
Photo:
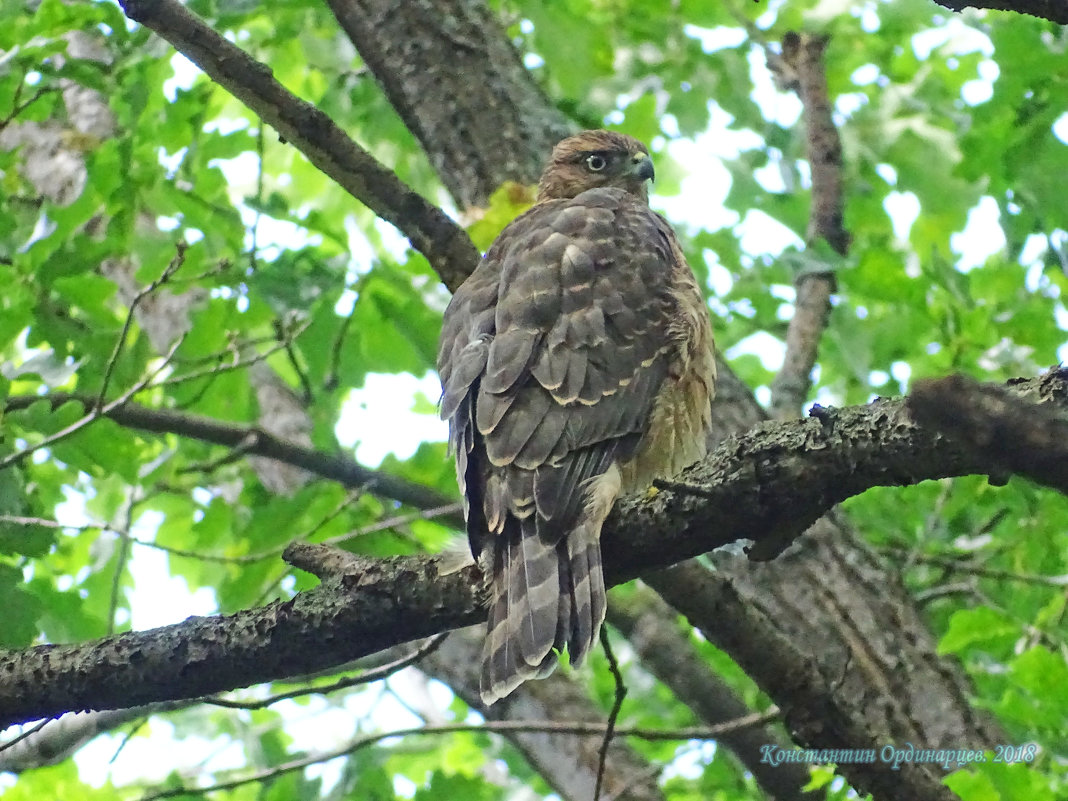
596, 163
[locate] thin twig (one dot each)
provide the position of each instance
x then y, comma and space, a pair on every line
395, 521
169, 270
96, 413
613, 716
331, 379
238, 364
255, 227
126, 738
271, 553
957, 566
500, 727
26, 734
120, 562
377, 674
19, 520
445, 244
294, 362
335, 467
236, 453
18, 108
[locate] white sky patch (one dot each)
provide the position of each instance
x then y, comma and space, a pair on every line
903, 208
760, 234
887, 173
719, 277
151, 758
713, 39
981, 238
775, 106
955, 36
848, 104
1060, 128
706, 179
154, 589
378, 418
770, 350
864, 75
901, 372
1033, 250
981, 89
185, 72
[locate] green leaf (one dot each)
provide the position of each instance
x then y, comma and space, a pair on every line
976, 627
18, 625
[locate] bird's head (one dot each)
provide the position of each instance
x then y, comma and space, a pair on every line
593, 159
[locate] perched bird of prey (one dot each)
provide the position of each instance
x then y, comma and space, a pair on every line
576, 364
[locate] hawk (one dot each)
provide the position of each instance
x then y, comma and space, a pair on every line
576, 365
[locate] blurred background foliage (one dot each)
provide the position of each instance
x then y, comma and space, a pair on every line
954, 129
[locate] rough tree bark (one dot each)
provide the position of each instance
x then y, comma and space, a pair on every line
283, 422
422, 52
832, 598
869, 666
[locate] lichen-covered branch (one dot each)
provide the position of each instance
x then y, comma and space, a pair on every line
1053, 10
767, 486
1031, 440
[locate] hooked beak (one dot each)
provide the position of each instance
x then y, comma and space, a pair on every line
641, 167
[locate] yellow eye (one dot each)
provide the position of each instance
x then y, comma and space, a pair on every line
596, 163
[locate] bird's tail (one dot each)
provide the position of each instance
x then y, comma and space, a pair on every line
545, 596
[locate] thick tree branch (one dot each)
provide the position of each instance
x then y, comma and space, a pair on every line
800, 66
819, 710
415, 50
445, 245
767, 485
1030, 440
253, 441
1053, 10
645, 620
568, 763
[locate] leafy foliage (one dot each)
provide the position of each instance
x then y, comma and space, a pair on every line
955, 150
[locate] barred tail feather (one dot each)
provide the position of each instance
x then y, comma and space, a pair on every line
524, 618
544, 598
587, 591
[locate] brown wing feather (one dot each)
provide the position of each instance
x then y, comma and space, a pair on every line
552, 356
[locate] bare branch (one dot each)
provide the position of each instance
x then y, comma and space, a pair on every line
96, 412
256, 442
430, 231
169, 270
1028, 439
613, 716
800, 67
500, 727
768, 485
377, 674
669, 654
1053, 10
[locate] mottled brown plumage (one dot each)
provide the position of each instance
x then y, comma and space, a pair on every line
576, 364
